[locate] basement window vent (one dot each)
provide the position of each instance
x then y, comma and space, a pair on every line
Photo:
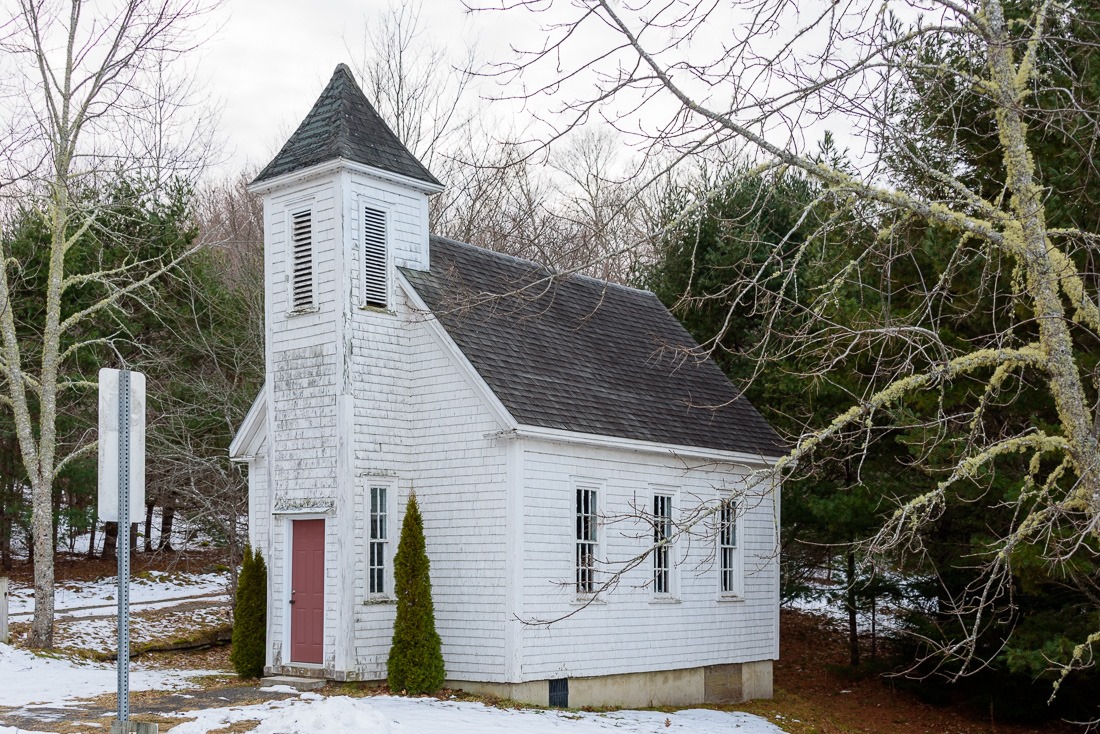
375, 284
301, 268
559, 693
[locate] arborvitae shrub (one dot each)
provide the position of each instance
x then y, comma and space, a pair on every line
250, 617
416, 658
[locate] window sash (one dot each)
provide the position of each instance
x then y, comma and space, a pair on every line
376, 564
727, 547
586, 541
662, 551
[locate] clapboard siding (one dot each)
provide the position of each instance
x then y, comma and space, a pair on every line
633, 630
419, 426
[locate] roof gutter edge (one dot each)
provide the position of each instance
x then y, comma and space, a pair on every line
320, 169
556, 435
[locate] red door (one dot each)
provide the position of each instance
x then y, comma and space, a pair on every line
307, 595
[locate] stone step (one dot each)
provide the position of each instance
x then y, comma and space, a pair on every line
298, 684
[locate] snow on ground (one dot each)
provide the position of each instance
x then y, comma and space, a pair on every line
312, 713
30, 679
163, 606
151, 589
102, 633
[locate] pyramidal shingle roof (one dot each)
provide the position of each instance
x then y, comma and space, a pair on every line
344, 124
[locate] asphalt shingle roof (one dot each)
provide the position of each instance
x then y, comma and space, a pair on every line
344, 124
579, 354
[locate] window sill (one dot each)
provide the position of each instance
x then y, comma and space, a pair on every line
666, 600
373, 600
586, 600
378, 309
730, 599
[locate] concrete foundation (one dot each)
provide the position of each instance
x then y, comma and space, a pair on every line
713, 684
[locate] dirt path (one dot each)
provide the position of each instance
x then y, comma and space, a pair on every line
95, 715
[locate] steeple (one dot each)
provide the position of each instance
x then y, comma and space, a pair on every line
344, 125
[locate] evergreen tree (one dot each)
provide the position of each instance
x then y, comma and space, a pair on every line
250, 617
416, 658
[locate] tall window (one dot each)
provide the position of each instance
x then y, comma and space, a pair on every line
662, 552
728, 566
374, 258
586, 540
301, 255
376, 570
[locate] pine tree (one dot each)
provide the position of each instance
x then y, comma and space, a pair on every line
250, 617
416, 658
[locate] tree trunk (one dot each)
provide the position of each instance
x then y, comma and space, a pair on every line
167, 517
850, 603
7, 502
149, 526
874, 626
91, 537
1045, 266
110, 540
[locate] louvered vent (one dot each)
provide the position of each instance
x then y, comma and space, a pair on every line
301, 276
374, 257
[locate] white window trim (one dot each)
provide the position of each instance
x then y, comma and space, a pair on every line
737, 593
290, 209
361, 204
387, 593
577, 484
673, 586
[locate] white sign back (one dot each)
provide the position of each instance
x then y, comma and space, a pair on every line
108, 445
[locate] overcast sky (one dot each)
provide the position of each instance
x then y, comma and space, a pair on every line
267, 60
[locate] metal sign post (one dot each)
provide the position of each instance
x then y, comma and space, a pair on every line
121, 489
124, 550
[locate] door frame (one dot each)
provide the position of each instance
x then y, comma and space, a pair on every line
288, 570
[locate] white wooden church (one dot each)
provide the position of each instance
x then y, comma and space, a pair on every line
551, 428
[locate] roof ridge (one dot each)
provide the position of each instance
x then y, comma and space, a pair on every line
543, 266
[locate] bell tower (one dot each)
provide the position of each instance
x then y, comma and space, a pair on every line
345, 206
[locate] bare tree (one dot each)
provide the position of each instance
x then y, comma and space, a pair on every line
498, 194
782, 75
423, 90
91, 97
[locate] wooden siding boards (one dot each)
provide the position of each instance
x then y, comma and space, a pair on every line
630, 631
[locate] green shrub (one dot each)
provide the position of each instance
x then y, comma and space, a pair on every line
416, 658
250, 617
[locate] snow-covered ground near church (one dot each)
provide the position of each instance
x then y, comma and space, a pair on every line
163, 606
40, 680
311, 713
150, 591
32, 681
29, 681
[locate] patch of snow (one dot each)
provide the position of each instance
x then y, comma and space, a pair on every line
393, 715
153, 590
279, 689
41, 680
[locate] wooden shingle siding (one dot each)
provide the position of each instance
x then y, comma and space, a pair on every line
419, 424
630, 631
